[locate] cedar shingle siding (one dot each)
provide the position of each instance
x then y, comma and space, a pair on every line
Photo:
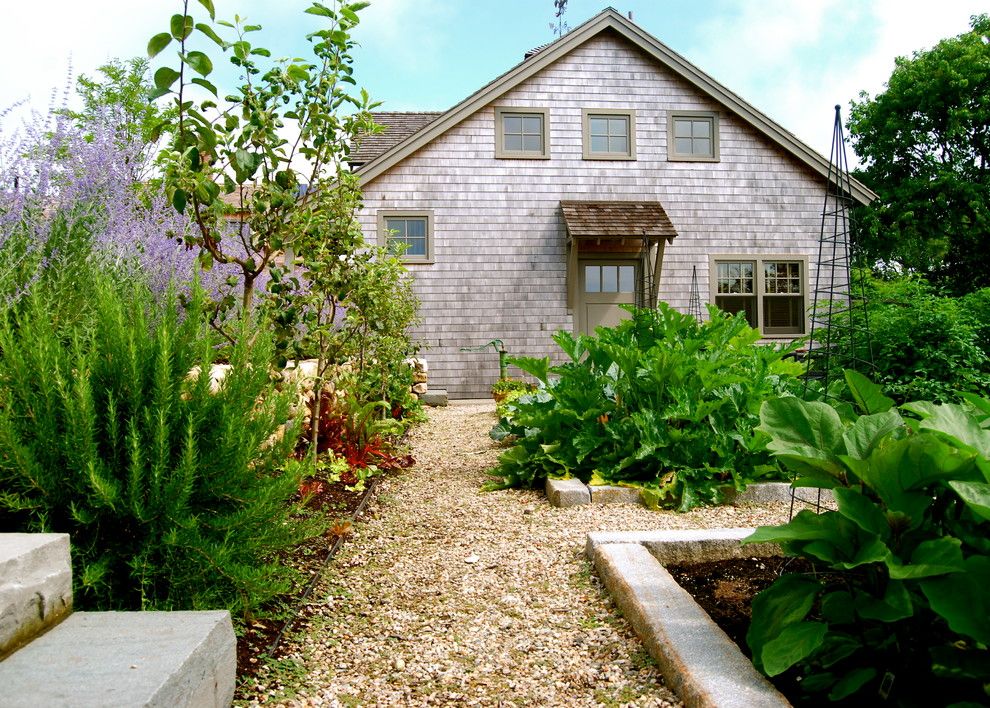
499, 232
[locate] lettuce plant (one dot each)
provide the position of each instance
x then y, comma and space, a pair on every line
901, 610
660, 401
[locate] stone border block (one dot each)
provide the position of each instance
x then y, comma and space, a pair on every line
769, 492
434, 397
567, 492
156, 659
697, 659
35, 586
609, 494
685, 545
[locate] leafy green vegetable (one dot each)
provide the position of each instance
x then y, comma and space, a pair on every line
903, 599
660, 401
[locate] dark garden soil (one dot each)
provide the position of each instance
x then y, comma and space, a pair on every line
337, 503
725, 590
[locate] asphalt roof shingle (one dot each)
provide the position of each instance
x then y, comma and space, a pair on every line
398, 125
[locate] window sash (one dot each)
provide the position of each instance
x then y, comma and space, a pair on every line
771, 291
522, 133
609, 135
411, 231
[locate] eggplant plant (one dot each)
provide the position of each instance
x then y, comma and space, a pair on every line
899, 607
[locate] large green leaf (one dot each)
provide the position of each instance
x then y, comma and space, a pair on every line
785, 603
869, 431
962, 598
934, 557
960, 425
895, 605
208, 4
976, 495
200, 63
868, 396
863, 511
806, 436
537, 368
157, 43
852, 682
165, 77
181, 26
901, 470
795, 643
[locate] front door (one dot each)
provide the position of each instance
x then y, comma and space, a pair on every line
606, 284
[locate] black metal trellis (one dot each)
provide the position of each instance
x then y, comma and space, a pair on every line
840, 331
694, 303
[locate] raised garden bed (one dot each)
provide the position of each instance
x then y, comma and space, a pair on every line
698, 659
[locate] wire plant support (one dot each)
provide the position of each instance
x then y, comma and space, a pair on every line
694, 303
840, 332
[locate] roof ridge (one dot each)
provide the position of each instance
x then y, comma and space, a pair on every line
609, 19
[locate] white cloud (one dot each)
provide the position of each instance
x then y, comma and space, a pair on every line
796, 60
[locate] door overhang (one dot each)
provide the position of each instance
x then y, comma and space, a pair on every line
638, 230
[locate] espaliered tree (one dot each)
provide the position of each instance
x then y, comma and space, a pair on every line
925, 145
250, 143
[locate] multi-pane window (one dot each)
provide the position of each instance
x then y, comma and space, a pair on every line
521, 133
783, 298
735, 288
609, 135
609, 278
407, 234
693, 136
771, 293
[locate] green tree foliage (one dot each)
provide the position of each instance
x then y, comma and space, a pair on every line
118, 98
898, 607
172, 493
660, 401
346, 303
925, 144
926, 345
242, 150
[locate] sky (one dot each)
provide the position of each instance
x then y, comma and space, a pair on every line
792, 59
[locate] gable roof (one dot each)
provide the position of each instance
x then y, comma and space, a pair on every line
608, 19
396, 127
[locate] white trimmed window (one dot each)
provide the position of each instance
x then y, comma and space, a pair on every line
771, 291
692, 136
409, 233
609, 134
522, 133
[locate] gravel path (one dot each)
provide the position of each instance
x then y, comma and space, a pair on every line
449, 595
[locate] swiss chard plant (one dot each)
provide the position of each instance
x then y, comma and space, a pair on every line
900, 609
661, 401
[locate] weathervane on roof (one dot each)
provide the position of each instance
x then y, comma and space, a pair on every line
560, 28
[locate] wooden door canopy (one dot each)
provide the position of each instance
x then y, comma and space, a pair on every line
617, 220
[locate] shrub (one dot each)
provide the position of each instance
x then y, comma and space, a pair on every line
660, 401
171, 493
925, 346
902, 608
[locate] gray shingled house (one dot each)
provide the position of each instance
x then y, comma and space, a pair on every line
603, 169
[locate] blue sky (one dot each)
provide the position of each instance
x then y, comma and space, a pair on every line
792, 59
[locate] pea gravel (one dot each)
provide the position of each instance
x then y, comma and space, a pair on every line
449, 595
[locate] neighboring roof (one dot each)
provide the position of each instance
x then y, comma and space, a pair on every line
397, 126
609, 19
617, 220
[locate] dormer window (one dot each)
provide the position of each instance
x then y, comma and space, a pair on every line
522, 133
